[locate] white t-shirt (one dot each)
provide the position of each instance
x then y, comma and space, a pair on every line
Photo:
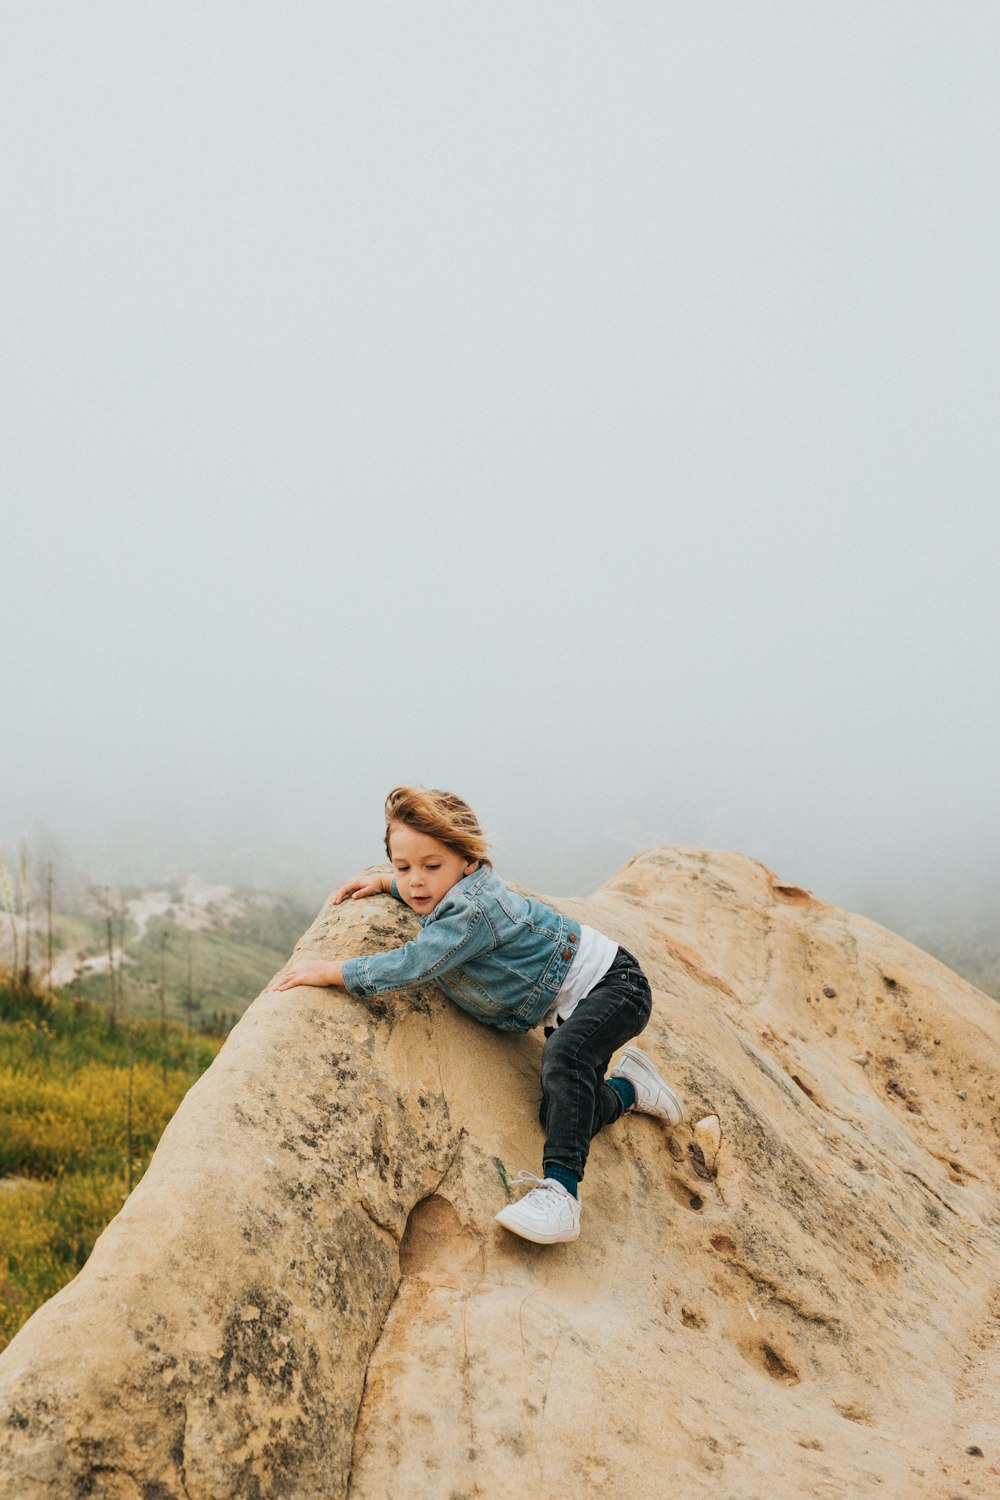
593, 959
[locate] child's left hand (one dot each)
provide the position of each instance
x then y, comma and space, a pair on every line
314, 971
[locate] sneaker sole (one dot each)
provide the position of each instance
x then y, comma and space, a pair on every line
538, 1239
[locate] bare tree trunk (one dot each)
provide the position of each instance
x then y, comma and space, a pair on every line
26, 905
163, 1003
104, 897
48, 928
130, 1108
113, 988
131, 1095
10, 907
189, 1005
121, 954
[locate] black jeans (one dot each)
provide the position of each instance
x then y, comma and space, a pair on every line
576, 1101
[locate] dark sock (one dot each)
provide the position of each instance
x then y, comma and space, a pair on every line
624, 1089
569, 1180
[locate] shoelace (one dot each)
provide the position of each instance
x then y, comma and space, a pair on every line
523, 1178
549, 1183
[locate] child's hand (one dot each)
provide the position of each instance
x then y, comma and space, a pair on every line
314, 971
362, 885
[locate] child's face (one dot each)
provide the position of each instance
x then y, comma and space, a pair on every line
425, 869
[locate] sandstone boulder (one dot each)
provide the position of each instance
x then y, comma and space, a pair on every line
307, 1295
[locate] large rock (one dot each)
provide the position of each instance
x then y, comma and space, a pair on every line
307, 1295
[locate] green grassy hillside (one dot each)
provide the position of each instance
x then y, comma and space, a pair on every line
209, 973
82, 1107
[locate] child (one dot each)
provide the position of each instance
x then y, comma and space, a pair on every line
512, 962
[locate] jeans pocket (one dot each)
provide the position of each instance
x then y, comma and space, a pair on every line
641, 994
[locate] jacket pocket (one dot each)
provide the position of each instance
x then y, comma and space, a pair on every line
470, 995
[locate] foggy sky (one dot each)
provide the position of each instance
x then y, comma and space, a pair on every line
591, 409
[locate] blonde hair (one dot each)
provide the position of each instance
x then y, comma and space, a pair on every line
440, 815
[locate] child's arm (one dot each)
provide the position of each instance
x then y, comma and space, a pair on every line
460, 933
314, 971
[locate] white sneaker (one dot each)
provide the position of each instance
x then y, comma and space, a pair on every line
652, 1095
546, 1215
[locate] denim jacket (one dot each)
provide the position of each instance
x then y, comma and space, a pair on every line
500, 956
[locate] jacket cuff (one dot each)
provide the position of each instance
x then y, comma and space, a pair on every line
353, 976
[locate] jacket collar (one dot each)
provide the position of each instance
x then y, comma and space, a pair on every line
470, 886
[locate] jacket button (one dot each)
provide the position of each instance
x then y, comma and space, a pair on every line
567, 953
572, 937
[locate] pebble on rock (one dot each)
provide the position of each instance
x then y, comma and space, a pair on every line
829, 991
708, 1134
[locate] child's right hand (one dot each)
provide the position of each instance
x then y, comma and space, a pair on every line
362, 885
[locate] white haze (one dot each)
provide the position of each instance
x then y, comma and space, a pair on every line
591, 409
